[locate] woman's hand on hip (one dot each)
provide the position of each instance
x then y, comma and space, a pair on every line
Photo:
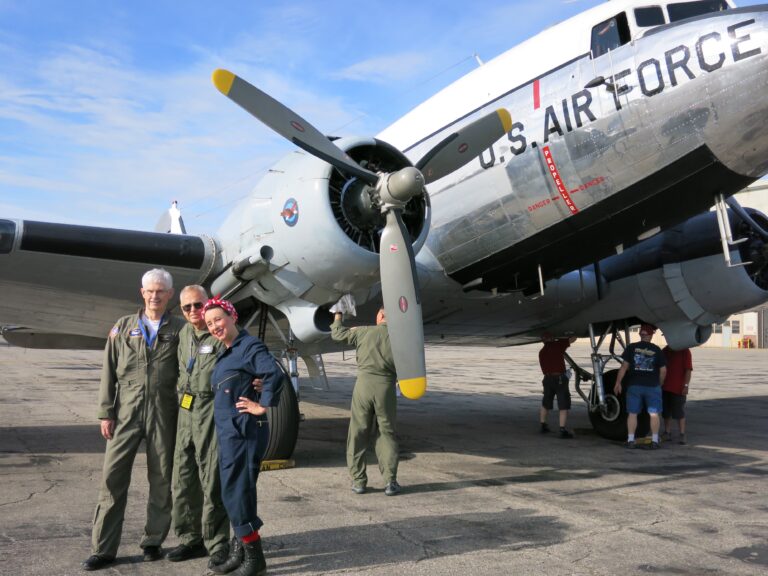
246, 406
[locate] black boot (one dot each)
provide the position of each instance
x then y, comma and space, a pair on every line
254, 563
234, 559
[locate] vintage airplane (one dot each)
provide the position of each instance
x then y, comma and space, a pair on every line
582, 213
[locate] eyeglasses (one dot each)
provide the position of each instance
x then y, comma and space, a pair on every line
195, 305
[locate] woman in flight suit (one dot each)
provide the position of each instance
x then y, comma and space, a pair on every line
240, 414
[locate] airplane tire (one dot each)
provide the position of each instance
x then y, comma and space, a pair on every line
613, 426
283, 425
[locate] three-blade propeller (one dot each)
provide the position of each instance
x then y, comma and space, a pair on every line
399, 283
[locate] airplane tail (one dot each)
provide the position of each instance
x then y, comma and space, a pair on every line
171, 221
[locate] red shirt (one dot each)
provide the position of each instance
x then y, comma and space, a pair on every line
678, 361
551, 356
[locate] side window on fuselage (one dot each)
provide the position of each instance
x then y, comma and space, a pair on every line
610, 34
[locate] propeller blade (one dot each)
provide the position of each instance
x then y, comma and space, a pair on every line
402, 303
464, 145
287, 123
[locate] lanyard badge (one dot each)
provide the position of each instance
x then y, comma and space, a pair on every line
187, 401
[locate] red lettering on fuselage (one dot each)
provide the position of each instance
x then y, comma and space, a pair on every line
566, 196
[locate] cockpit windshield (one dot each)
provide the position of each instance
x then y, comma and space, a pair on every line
681, 10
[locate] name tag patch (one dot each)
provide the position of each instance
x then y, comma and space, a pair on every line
207, 349
135, 332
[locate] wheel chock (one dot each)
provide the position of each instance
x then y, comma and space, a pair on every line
267, 465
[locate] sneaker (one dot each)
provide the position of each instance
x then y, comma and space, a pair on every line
152, 553
544, 428
565, 434
392, 489
682, 439
358, 488
630, 445
654, 446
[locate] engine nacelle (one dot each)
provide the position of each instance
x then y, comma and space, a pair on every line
308, 234
681, 335
679, 281
334, 216
309, 322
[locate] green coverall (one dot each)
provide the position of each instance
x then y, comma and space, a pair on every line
138, 391
373, 396
198, 513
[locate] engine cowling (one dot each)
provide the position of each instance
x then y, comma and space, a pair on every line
337, 214
308, 234
680, 335
679, 281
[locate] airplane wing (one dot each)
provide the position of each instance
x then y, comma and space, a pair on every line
78, 279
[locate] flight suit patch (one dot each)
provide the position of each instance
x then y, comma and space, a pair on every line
135, 332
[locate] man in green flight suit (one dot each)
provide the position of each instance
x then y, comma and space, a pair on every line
373, 397
199, 518
137, 401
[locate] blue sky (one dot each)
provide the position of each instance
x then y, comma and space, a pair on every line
107, 111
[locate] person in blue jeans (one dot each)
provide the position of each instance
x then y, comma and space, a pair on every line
645, 368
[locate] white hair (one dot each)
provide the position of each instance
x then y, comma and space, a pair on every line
194, 288
159, 276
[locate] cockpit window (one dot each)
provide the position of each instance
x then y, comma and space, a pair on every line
682, 10
649, 16
610, 34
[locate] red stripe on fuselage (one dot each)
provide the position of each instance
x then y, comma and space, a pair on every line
536, 95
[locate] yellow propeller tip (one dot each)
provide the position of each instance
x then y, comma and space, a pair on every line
506, 119
223, 80
413, 388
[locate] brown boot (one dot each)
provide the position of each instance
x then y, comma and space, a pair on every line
234, 559
254, 563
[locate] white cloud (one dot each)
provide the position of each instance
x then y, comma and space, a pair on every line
111, 144
401, 67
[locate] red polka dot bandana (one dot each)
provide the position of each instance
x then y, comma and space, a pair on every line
225, 305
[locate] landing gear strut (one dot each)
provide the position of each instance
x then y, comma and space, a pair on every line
607, 412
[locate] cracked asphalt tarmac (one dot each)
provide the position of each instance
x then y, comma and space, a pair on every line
484, 493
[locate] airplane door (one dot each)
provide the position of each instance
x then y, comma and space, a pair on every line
726, 336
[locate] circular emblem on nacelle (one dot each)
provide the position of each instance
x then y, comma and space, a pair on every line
403, 304
297, 126
290, 212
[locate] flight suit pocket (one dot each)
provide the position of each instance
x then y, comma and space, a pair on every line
225, 392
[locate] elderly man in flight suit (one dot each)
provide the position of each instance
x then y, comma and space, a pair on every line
137, 401
373, 397
199, 518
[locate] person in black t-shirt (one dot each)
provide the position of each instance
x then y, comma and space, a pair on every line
645, 369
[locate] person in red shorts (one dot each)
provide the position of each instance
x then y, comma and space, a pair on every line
675, 390
555, 383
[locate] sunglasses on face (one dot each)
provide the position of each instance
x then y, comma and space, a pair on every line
195, 305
